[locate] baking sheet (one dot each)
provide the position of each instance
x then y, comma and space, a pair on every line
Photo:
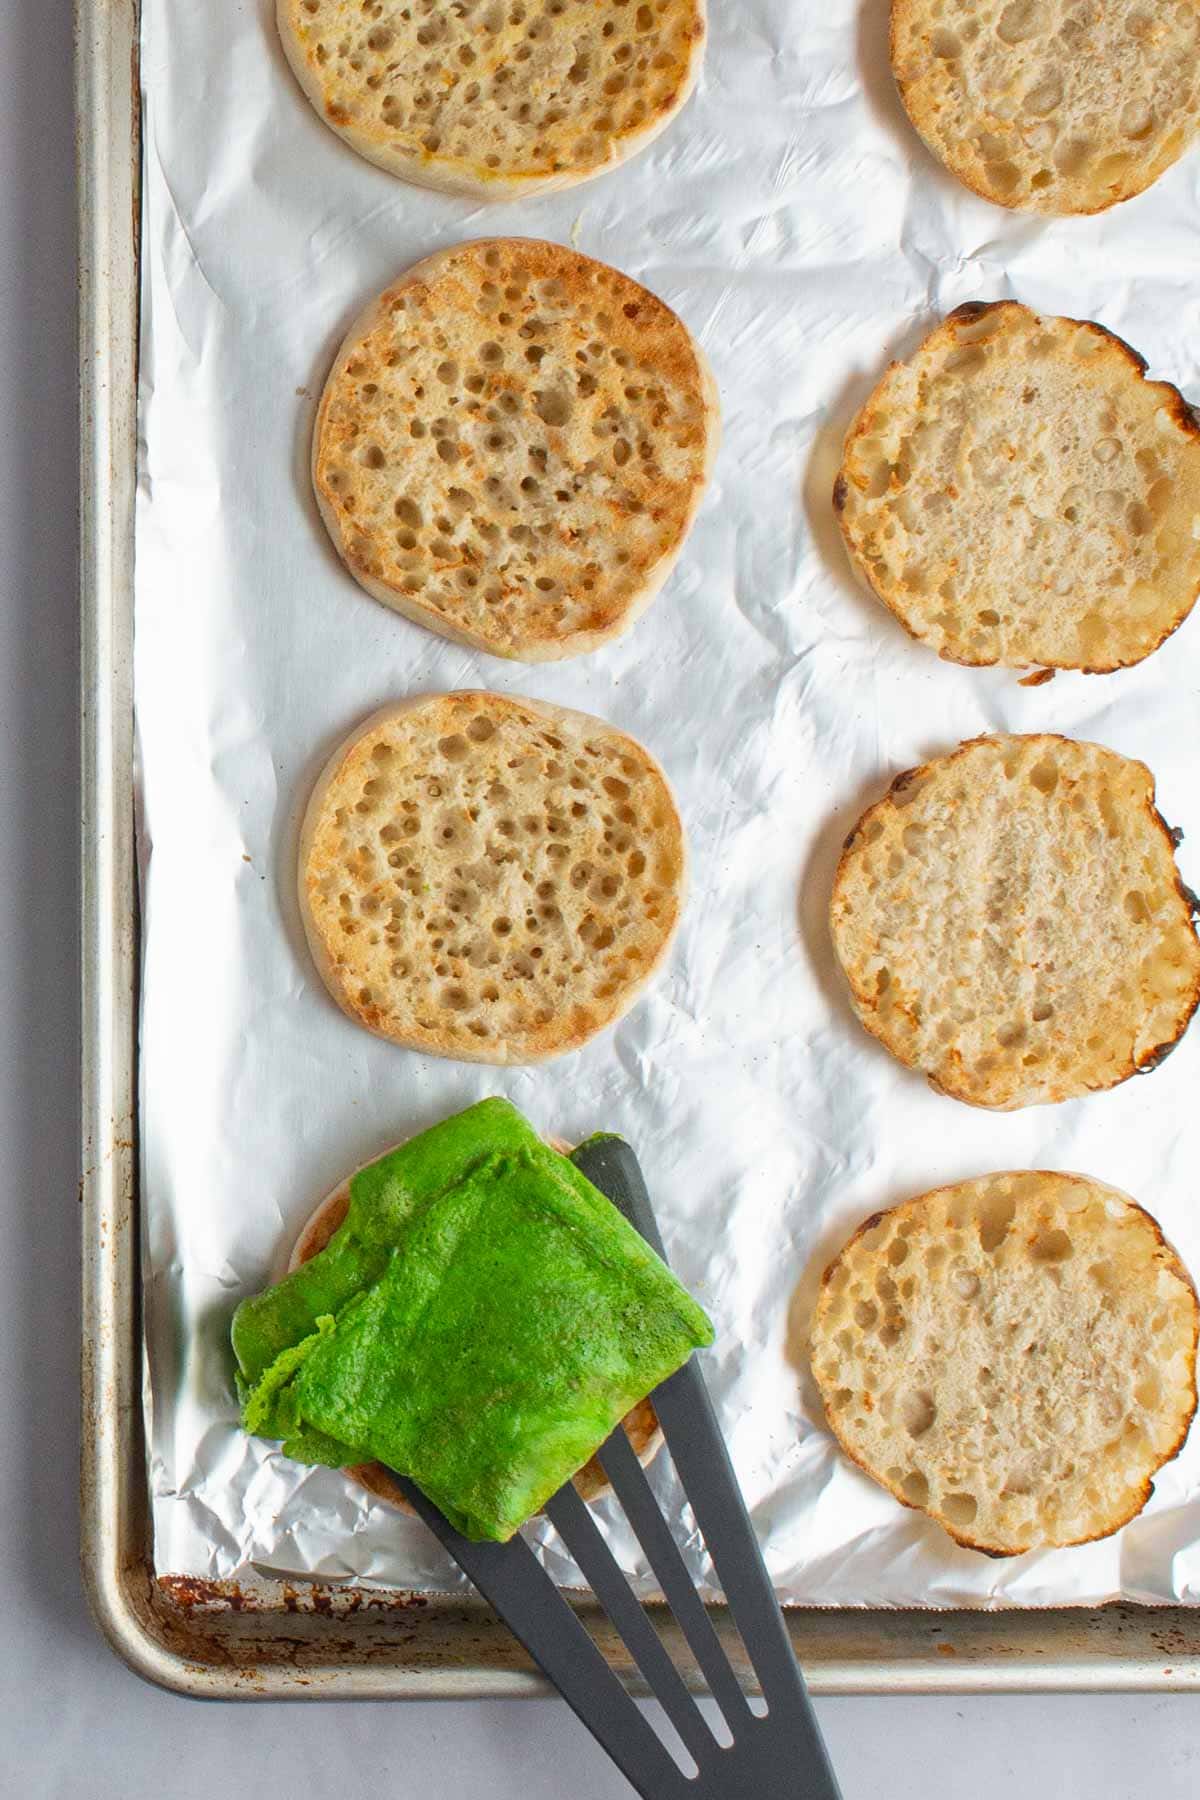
796, 224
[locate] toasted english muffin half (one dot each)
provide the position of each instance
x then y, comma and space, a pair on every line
1011, 921
591, 1483
490, 878
1017, 492
1057, 106
1014, 1355
495, 98
512, 445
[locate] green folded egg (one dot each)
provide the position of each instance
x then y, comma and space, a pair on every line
480, 1322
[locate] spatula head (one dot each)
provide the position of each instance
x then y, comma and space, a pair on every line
771, 1754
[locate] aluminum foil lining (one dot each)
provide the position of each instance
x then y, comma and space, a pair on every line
794, 221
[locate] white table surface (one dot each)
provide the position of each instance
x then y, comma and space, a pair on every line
73, 1721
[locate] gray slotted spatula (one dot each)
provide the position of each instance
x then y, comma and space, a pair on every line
771, 1756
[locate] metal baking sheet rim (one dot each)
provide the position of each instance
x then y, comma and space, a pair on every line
310, 1642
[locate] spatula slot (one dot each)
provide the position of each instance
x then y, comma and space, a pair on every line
583, 1538
636, 1499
